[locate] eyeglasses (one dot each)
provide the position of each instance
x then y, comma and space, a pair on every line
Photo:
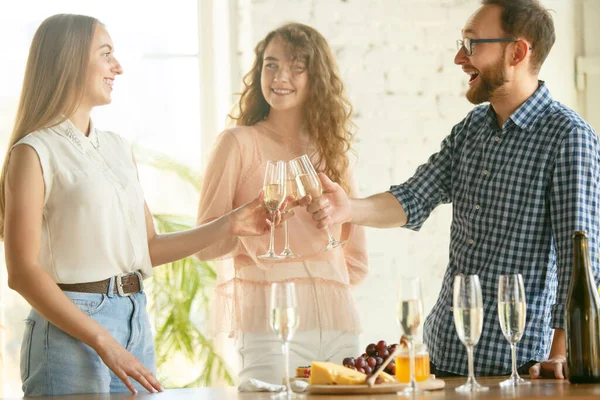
467, 43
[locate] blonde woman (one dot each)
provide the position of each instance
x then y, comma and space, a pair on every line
79, 238
292, 104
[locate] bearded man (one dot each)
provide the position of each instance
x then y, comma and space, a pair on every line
522, 173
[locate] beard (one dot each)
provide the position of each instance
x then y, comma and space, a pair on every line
490, 81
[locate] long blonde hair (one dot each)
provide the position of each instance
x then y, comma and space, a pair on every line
327, 111
54, 81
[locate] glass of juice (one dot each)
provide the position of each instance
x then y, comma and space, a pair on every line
421, 364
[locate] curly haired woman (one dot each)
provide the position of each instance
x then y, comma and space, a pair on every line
292, 104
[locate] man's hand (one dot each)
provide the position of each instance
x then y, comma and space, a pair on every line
333, 207
552, 368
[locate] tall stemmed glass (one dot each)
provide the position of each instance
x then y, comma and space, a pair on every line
512, 312
410, 317
274, 190
284, 321
290, 190
309, 183
468, 320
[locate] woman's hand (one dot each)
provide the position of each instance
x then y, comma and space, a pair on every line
253, 218
125, 365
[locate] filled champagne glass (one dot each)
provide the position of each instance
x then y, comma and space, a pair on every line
309, 184
284, 322
410, 318
468, 320
512, 312
274, 189
290, 190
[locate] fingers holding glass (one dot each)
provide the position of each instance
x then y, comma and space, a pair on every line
308, 183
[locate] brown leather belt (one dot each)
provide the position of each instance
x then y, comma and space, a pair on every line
125, 285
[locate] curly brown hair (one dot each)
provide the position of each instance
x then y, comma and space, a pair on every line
327, 112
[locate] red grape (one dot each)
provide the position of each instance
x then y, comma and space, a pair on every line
384, 353
371, 349
368, 370
372, 362
381, 345
379, 360
360, 362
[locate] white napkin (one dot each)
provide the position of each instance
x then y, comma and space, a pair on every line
254, 385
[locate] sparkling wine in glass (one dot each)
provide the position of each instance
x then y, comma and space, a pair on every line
284, 322
274, 189
468, 320
512, 312
291, 190
410, 318
309, 183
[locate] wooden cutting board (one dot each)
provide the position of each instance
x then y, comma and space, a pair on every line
430, 384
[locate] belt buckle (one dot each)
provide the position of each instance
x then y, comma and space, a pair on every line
119, 283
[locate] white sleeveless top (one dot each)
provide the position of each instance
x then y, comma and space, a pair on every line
93, 223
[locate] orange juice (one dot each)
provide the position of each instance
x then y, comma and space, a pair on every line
421, 365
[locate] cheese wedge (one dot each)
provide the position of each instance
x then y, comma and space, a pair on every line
326, 373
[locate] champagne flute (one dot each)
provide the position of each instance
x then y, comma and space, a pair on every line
410, 317
290, 190
284, 322
274, 190
512, 312
309, 183
468, 320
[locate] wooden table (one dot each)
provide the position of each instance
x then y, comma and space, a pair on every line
538, 389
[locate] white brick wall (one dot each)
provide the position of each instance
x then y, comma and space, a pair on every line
396, 59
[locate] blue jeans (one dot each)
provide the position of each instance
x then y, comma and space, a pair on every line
55, 363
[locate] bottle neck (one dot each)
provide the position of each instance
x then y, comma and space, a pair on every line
582, 271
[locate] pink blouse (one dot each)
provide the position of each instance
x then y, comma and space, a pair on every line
233, 177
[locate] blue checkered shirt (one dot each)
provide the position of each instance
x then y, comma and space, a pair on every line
518, 194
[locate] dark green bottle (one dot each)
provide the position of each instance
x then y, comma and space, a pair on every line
582, 317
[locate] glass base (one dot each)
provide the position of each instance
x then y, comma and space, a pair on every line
472, 386
288, 395
270, 255
333, 244
514, 380
411, 392
288, 253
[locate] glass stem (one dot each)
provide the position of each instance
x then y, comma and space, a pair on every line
285, 229
272, 239
329, 235
513, 349
411, 355
286, 357
471, 368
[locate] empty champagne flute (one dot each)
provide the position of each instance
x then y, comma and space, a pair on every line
290, 190
284, 322
512, 312
468, 320
410, 317
309, 183
274, 191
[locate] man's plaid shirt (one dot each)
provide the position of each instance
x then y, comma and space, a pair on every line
518, 194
